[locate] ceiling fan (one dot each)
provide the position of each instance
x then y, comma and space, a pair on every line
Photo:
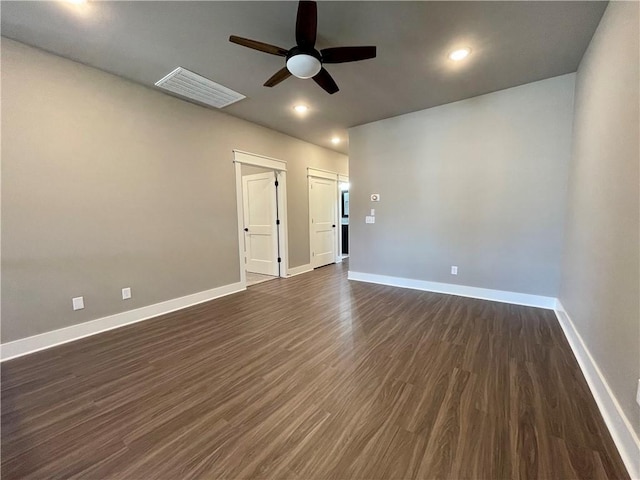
303, 60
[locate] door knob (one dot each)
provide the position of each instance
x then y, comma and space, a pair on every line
333, 226
246, 229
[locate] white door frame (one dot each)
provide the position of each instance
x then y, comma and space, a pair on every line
280, 167
341, 179
317, 173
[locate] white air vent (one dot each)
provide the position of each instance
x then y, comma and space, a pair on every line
196, 87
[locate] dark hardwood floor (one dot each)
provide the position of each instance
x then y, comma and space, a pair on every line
312, 377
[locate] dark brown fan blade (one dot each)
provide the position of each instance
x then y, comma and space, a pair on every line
325, 81
278, 77
306, 24
263, 47
347, 54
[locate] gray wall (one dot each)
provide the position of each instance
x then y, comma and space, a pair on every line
600, 287
107, 184
479, 183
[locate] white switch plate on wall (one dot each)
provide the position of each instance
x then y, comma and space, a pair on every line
454, 270
369, 219
78, 303
126, 293
638, 393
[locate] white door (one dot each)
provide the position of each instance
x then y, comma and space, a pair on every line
260, 229
323, 213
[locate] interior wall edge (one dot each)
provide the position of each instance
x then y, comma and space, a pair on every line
299, 270
619, 426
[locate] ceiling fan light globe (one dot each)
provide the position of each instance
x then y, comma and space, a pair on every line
304, 66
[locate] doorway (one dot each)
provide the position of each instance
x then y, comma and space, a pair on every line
262, 223
343, 203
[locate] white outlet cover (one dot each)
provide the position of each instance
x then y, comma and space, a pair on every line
369, 219
78, 303
638, 393
454, 270
126, 293
375, 197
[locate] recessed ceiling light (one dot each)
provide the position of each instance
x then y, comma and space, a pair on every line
460, 54
301, 108
335, 140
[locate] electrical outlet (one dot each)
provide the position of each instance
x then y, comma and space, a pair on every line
454, 270
126, 293
638, 393
78, 303
369, 219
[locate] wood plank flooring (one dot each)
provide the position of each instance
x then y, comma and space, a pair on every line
311, 377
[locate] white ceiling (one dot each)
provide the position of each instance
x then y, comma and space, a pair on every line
513, 43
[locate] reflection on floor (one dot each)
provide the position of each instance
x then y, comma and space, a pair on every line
255, 278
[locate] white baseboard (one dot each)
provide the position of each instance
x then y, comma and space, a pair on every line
299, 270
460, 290
28, 345
618, 424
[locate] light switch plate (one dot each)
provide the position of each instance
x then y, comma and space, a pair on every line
369, 219
126, 293
638, 393
454, 270
78, 303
